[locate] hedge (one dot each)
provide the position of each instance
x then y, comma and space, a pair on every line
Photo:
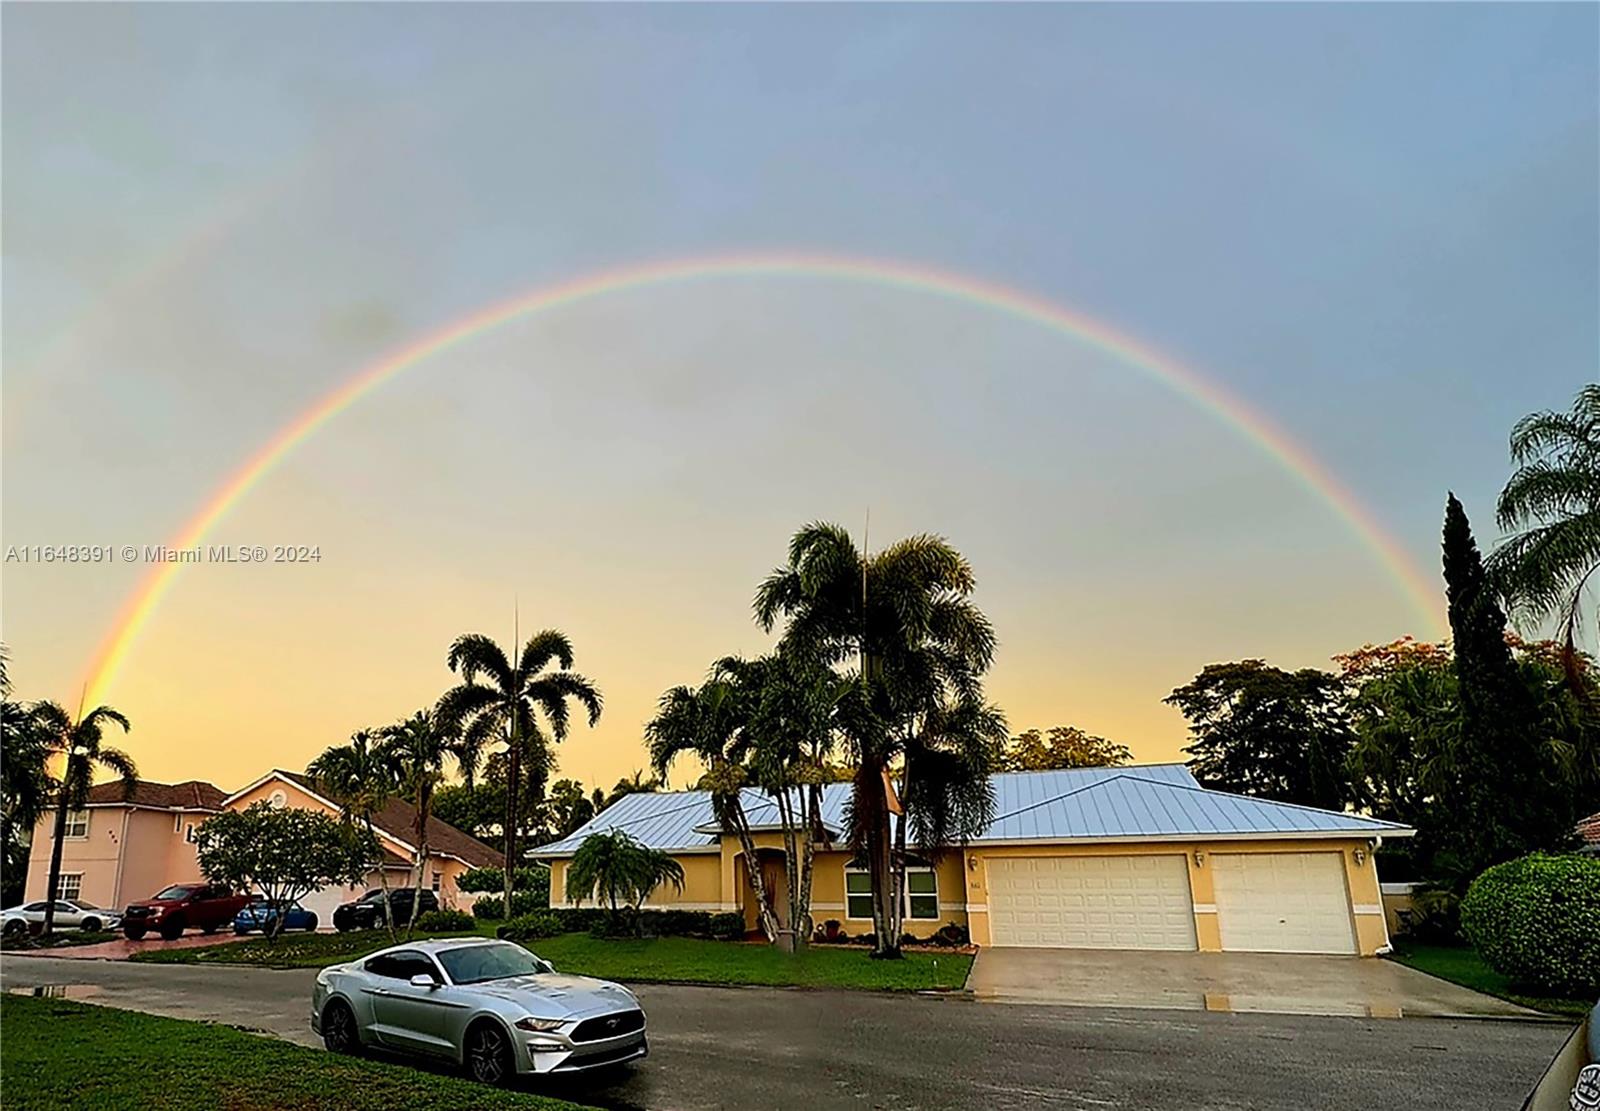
533, 880
1536, 920
493, 907
627, 923
531, 927
444, 921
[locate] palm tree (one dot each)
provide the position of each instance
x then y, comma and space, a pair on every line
613, 867
26, 785
640, 783
496, 702
709, 723
418, 748
362, 776
82, 745
906, 618
1552, 500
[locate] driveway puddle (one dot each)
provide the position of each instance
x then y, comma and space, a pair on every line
58, 991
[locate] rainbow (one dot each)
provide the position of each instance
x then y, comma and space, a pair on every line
1232, 411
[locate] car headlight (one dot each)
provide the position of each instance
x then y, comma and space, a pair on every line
539, 1025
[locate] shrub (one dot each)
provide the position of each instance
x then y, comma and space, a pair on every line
522, 902
491, 908
444, 921
533, 882
727, 926
1434, 917
531, 927
952, 935
1536, 920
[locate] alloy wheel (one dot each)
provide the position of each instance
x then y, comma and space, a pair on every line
338, 1029
487, 1055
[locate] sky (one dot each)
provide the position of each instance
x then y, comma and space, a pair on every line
1374, 226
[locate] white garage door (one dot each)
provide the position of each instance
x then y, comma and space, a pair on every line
1282, 902
1091, 902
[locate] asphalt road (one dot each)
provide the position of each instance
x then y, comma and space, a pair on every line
756, 1047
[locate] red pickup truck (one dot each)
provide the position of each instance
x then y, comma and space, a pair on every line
181, 906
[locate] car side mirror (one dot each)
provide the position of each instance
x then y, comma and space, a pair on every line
423, 980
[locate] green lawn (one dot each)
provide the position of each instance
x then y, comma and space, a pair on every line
673, 959
62, 1054
289, 951
1461, 964
690, 960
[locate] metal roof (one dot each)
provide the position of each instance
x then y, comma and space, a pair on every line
1144, 802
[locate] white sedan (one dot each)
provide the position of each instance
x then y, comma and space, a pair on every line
71, 914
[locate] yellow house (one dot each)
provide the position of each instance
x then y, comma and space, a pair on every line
122, 847
1101, 858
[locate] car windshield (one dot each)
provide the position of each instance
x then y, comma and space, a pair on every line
176, 891
476, 964
372, 897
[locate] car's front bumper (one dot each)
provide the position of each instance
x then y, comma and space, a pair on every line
553, 1053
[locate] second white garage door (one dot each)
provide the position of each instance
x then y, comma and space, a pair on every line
1091, 902
1282, 902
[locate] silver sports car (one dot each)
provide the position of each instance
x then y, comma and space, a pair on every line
490, 1006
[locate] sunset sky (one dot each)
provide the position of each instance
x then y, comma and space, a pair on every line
1373, 227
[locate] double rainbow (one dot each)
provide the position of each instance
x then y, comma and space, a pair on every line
1232, 411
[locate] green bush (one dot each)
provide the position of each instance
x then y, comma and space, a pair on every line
728, 926
532, 881
492, 907
1536, 920
531, 927
444, 921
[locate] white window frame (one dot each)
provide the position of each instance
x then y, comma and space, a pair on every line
79, 820
905, 909
189, 833
438, 882
75, 891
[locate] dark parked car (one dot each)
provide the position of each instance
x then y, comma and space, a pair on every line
261, 914
367, 912
171, 911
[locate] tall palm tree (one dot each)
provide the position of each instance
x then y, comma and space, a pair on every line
498, 703
81, 744
906, 618
362, 777
418, 748
1552, 501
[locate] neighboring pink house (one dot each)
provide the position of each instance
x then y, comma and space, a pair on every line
124, 846
119, 849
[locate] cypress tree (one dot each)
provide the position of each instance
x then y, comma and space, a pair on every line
1497, 813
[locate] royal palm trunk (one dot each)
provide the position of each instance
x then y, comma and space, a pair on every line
54, 887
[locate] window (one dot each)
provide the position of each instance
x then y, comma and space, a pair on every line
438, 880
922, 893
188, 833
71, 885
402, 966
77, 824
857, 894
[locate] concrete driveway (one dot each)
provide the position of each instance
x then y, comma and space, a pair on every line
1266, 983
734, 1048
